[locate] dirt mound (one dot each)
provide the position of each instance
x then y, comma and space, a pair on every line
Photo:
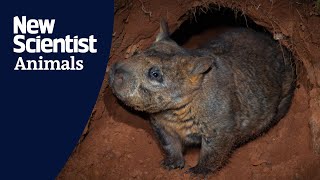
119, 144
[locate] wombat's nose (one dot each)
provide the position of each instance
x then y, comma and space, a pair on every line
120, 74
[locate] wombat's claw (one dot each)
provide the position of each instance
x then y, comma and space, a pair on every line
198, 170
171, 163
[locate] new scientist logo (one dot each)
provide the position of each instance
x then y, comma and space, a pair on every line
39, 44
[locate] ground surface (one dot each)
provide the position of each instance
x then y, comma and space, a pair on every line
120, 145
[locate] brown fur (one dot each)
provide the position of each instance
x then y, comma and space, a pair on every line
207, 97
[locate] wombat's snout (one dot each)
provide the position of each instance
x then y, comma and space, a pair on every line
122, 80
119, 75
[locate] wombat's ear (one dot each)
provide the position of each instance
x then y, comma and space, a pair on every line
200, 65
164, 31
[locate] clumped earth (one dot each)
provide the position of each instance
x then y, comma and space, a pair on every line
119, 144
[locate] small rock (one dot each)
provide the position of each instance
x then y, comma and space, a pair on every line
117, 154
278, 36
259, 162
149, 141
129, 156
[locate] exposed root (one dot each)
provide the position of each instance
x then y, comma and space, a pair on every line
197, 7
149, 13
245, 18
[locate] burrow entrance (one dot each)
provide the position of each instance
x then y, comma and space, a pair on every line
203, 23
119, 144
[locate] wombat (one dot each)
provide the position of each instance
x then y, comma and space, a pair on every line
218, 96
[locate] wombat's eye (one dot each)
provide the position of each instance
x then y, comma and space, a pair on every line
155, 74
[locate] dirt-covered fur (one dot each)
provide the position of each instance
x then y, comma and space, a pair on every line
218, 96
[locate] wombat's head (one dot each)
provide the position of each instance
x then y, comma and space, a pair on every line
165, 76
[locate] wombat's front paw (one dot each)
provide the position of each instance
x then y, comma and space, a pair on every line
172, 163
199, 170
